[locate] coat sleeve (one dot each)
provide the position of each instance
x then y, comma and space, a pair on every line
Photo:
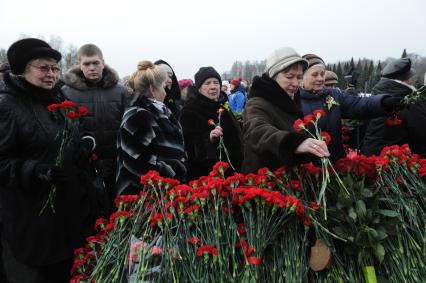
136, 140
263, 137
15, 171
196, 134
355, 107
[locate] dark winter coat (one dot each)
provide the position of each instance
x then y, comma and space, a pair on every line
106, 101
411, 131
173, 98
28, 137
202, 153
349, 107
269, 138
148, 139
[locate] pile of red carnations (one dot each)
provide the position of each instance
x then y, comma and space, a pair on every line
260, 227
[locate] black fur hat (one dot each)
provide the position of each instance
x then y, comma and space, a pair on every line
203, 74
23, 51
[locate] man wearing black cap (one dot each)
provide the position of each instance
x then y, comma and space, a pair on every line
397, 79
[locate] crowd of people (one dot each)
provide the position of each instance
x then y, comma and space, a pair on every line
154, 121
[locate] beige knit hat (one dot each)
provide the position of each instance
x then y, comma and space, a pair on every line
330, 78
282, 58
313, 60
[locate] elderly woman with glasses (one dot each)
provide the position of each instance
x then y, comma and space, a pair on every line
38, 244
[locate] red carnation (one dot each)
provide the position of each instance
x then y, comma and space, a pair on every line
73, 115
319, 113
67, 104
325, 137
254, 260
194, 240
211, 122
53, 107
299, 125
308, 119
83, 111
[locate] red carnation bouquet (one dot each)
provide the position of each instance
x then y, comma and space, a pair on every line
309, 121
72, 115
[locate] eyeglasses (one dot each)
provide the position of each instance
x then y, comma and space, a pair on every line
47, 68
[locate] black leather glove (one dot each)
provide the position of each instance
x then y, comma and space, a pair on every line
49, 173
83, 153
392, 103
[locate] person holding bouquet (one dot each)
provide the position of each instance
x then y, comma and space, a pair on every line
211, 132
150, 137
273, 107
337, 104
39, 243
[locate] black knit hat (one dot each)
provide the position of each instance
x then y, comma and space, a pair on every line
203, 74
23, 51
399, 69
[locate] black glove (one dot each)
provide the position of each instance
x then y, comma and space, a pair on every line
83, 153
178, 167
392, 103
49, 173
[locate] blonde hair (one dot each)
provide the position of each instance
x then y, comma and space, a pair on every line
147, 75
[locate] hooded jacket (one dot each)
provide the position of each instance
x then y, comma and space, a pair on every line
106, 101
173, 96
28, 134
268, 134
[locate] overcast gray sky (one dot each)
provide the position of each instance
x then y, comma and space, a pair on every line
193, 33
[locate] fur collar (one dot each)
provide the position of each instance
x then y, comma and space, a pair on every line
74, 78
269, 89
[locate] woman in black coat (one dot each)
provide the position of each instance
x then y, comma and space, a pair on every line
202, 139
150, 137
39, 245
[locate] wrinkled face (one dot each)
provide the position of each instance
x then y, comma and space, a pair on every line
43, 72
210, 88
92, 67
289, 80
313, 79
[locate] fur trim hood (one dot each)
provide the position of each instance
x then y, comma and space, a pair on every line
74, 78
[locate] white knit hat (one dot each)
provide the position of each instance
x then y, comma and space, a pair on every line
282, 58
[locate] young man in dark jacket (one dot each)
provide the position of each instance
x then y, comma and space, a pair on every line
95, 85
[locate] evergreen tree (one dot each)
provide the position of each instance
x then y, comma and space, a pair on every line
352, 64
371, 76
340, 76
404, 54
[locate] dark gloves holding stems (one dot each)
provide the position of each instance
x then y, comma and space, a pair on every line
84, 151
50, 174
